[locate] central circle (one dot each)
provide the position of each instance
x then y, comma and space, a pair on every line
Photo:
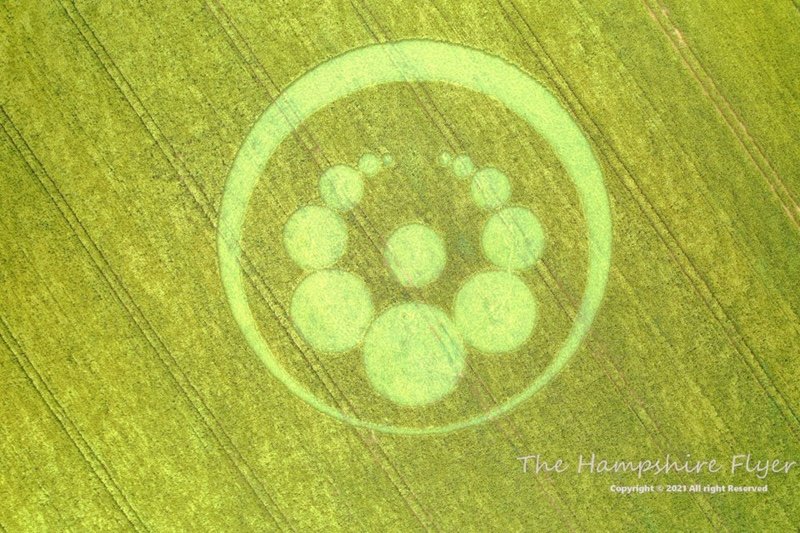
413, 354
415, 254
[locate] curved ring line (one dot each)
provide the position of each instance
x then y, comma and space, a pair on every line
415, 61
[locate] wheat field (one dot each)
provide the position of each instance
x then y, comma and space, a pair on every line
135, 399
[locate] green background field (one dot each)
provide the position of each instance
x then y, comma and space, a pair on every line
131, 401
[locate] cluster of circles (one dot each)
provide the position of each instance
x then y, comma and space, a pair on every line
413, 352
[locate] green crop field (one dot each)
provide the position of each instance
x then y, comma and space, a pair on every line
366, 265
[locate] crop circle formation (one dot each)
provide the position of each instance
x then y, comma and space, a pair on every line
416, 373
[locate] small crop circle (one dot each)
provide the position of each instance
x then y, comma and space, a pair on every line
332, 309
495, 312
415, 254
370, 164
315, 237
413, 354
463, 167
513, 238
341, 187
445, 159
490, 188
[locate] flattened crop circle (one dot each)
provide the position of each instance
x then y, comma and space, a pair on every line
416, 61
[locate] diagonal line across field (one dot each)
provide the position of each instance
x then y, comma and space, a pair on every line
69, 427
126, 301
757, 366
203, 203
732, 120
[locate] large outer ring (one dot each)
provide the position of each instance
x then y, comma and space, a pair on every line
415, 61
